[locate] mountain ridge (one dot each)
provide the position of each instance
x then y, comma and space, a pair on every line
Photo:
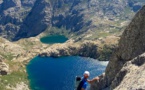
84, 17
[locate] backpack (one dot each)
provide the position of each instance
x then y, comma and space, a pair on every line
80, 85
77, 81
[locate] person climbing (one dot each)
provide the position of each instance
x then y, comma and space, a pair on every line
84, 81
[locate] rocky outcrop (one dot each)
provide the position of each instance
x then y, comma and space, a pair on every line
131, 45
99, 84
86, 49
4, 68
131, 76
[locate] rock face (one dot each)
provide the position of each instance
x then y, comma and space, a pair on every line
13, 13
131, 76
37, 20
127, 59
26, 18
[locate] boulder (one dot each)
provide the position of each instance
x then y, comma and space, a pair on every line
4, 68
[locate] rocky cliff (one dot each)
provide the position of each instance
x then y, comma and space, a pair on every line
26, 18
128, 60
86, 49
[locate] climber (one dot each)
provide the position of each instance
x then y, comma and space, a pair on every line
84, 81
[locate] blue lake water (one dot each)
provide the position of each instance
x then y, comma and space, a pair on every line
59, 73
51, 39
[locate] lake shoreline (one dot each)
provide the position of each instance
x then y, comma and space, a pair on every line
52, 39
85, 49
63, 65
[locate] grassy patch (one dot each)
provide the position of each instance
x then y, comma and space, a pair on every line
12, 79
17, 74
7, 56
58, 31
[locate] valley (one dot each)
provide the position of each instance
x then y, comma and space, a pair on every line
95, 25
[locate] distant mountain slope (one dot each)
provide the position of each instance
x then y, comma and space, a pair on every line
26, 18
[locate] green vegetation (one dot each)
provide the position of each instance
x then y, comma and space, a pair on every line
17, 75
7, 56
57, 31
12, 79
